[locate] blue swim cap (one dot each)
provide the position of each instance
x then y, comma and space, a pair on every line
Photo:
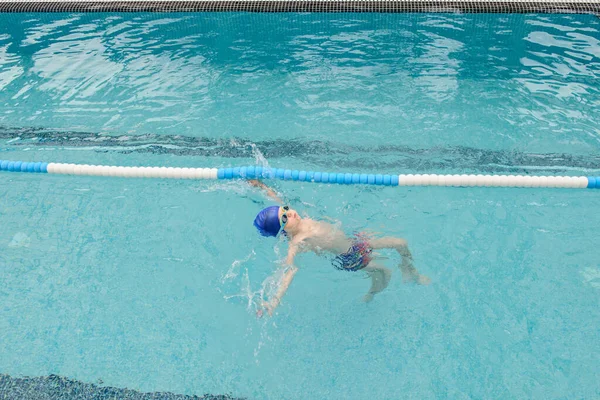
267, 221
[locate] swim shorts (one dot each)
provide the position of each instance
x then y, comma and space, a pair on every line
357, 257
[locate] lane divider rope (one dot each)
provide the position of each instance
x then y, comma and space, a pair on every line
254, 172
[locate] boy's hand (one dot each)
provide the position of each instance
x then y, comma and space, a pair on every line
270, 192
255, 183
265, 306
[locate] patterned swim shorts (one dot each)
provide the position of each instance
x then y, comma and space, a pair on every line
357, 257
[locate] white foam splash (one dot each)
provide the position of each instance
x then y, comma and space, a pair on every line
252, 298
259, 157
232, 272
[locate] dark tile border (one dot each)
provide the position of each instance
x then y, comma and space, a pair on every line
58, 387
392, 157
305, 6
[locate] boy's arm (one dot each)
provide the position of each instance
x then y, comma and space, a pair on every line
285, 281
270, 192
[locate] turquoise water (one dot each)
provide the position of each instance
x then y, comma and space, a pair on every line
152, 284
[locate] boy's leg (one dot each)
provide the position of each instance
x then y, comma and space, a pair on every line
409, 272
380, 277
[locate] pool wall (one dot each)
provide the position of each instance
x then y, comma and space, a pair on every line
359, 6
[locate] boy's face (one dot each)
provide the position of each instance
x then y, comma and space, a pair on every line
293, 219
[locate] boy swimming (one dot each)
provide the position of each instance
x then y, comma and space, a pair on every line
351, 253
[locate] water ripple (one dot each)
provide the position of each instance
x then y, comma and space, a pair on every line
525, 83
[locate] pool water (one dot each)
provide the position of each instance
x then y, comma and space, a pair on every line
152, 285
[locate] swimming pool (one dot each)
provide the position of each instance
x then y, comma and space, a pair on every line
150, 284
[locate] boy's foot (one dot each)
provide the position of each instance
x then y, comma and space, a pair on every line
423, 280
416, 278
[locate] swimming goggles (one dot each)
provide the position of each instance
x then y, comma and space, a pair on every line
284, 219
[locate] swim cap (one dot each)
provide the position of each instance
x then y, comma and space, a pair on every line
267, 221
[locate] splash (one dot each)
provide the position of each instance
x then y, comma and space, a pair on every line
233, 270
258, 156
